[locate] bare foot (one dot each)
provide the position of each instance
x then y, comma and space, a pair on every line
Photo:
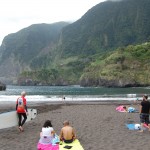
21, 129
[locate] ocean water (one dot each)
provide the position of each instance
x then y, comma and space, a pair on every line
72, 93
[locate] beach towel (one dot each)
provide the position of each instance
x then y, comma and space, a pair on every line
136, 126
75, 145
133, 126
47, 147
121, 108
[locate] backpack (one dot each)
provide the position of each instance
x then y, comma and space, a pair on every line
131, 109
55, 140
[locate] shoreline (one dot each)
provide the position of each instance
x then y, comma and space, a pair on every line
7, 105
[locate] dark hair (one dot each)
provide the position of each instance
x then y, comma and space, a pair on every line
47, 124
146, 96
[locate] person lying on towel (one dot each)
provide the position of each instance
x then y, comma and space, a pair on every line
67, 133
121, 108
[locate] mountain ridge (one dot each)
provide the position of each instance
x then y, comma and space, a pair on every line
64, 51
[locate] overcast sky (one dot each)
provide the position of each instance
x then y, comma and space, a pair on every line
18, 14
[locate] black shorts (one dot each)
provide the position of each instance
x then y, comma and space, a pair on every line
68, 141
144, 118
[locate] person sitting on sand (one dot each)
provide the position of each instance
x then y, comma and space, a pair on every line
47, 133
67, 133
144, 112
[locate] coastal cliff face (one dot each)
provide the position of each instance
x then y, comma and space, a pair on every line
2, 87
125, 67
112, 83
28, 49
109, 46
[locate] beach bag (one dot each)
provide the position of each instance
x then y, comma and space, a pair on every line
55, 139
137, 126
131, 109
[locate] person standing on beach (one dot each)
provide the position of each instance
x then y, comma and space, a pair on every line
63, 99
144, 112
21, 109
67, 133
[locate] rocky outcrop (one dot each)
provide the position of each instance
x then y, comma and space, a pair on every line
110, 83
23, 81
2, 87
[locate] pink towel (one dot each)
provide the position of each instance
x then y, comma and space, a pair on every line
47, 147
120, 109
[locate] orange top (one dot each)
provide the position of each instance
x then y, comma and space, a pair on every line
21, 101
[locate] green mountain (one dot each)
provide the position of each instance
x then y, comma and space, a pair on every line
125, 67
107, 26
78, 53
30, 42
20, 51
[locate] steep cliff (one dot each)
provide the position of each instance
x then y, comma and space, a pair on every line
62, 53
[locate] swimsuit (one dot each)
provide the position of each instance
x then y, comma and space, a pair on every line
68, 141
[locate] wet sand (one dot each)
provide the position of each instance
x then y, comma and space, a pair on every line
98, 126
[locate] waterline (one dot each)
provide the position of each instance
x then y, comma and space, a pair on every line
72, 93
58, 98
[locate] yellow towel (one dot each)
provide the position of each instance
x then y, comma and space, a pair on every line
75, 145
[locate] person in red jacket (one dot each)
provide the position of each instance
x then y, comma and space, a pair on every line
21, 108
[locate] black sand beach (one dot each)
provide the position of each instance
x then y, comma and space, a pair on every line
98, 125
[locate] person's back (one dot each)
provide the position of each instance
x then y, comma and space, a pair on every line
47, 133
21, 109
145, 107
67, 133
